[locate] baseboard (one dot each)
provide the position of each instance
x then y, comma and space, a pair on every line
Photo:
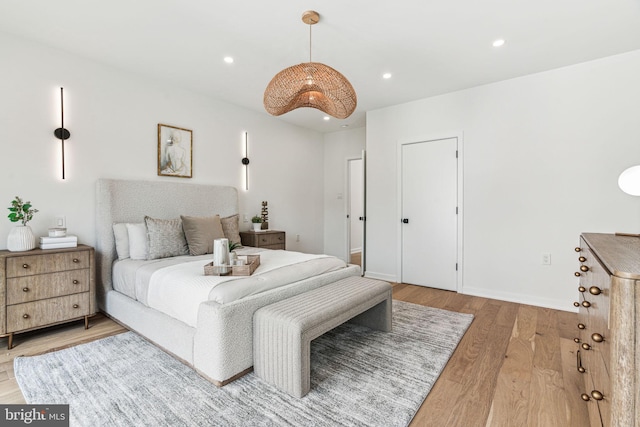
379, 276
356, 250
520, 299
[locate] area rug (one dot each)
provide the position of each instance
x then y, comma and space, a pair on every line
359, 377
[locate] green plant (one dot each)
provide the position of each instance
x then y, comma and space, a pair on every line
21, 211
256, 219
234, 245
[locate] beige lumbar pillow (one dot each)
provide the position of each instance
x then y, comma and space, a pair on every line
200, 233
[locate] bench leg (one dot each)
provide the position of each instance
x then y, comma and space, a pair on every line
377, 317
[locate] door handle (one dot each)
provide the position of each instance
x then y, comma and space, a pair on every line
361, 218
405, 220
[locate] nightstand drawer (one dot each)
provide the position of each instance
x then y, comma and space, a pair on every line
44, 312
32, 288
270, 239
47, 263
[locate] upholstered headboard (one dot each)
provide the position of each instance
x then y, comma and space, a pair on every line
130, 201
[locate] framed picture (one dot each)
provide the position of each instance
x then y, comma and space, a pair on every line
174, 151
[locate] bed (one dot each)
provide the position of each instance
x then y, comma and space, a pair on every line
215, 337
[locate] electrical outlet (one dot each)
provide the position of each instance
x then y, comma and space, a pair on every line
245, 218
60, 221
546, 258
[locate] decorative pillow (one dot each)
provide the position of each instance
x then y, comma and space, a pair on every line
122, 240
137, 234
200, 233
231, 228
165, 237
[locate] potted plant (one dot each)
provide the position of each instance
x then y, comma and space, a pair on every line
21, 237
257, 222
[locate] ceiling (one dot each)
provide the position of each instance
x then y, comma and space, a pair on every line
430, 47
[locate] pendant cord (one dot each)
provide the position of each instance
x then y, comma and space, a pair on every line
310, 25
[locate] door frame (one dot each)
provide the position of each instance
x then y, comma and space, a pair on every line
459, 196
348, 212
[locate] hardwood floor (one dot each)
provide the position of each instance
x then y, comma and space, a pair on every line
356, 258
515, 366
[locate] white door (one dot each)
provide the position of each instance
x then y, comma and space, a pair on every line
429, 213
355, 210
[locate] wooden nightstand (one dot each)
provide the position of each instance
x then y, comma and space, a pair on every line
45, 287
269, 239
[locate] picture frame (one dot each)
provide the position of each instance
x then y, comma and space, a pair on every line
175, 151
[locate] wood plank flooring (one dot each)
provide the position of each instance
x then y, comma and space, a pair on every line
515, 366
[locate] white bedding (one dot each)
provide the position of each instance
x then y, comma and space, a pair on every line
177, 286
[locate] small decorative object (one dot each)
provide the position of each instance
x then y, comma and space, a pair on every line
265, 216
61, 133
257, 222
21, 237
310, 84
245, 266
174, 151
221, 257
57, 232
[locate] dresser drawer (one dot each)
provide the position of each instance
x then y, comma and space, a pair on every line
44, 312
47, 263
270, 239
32, 288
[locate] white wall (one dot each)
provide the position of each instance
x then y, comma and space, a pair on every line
113, 117
338, 148
542, 155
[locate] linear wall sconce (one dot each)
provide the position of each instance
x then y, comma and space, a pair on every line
61, 133
245, 161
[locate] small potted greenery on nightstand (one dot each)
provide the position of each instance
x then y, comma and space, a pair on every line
21, 237
257, 222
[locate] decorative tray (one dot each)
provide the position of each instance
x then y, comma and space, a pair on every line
252, 262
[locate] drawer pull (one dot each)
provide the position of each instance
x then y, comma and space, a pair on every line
581, 326
597, 395
581, 288
584, 268
594, 290
25, 316
76, 260
578, 249
25, 289
597, 337
586, 304
576, 340
25, 265
586, 346
585, 397
581, 369
75, 282
579, 363
582, 259
279, 237
264, 240
75, 306
577, 274
576, 304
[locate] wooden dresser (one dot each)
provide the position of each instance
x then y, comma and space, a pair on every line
41, 288
269, 239
609, 336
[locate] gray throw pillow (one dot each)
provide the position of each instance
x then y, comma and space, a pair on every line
165, 237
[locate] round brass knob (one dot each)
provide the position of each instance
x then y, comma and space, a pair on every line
76, 260
75, 282
584, 268
576, 340
582, 370
594, 290
576, 304
578, 249
581, 326
586, 346
75, 306
597, 395
581, 288
597, 337
585, 397
25, 265
577, 274
25, 316
586, 304
582, 259
25, 289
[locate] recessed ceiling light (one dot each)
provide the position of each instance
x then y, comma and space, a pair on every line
228, 60
386, 76
498, 43
326, 118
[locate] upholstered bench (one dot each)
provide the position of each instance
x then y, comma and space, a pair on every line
282, 332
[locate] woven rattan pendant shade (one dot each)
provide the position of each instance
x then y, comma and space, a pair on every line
310, 84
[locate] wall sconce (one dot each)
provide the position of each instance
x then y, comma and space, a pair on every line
629, 181
245, 161
62, 133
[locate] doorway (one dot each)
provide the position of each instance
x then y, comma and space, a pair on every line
356, 211
429, 206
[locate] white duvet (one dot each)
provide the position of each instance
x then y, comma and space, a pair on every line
178, 290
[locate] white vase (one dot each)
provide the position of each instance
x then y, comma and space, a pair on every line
257, 226
21, 238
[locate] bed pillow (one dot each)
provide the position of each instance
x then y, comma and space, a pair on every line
231, 228
122, 240
165, 238
200, 233
137, 235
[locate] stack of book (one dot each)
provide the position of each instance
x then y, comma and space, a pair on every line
58, 242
